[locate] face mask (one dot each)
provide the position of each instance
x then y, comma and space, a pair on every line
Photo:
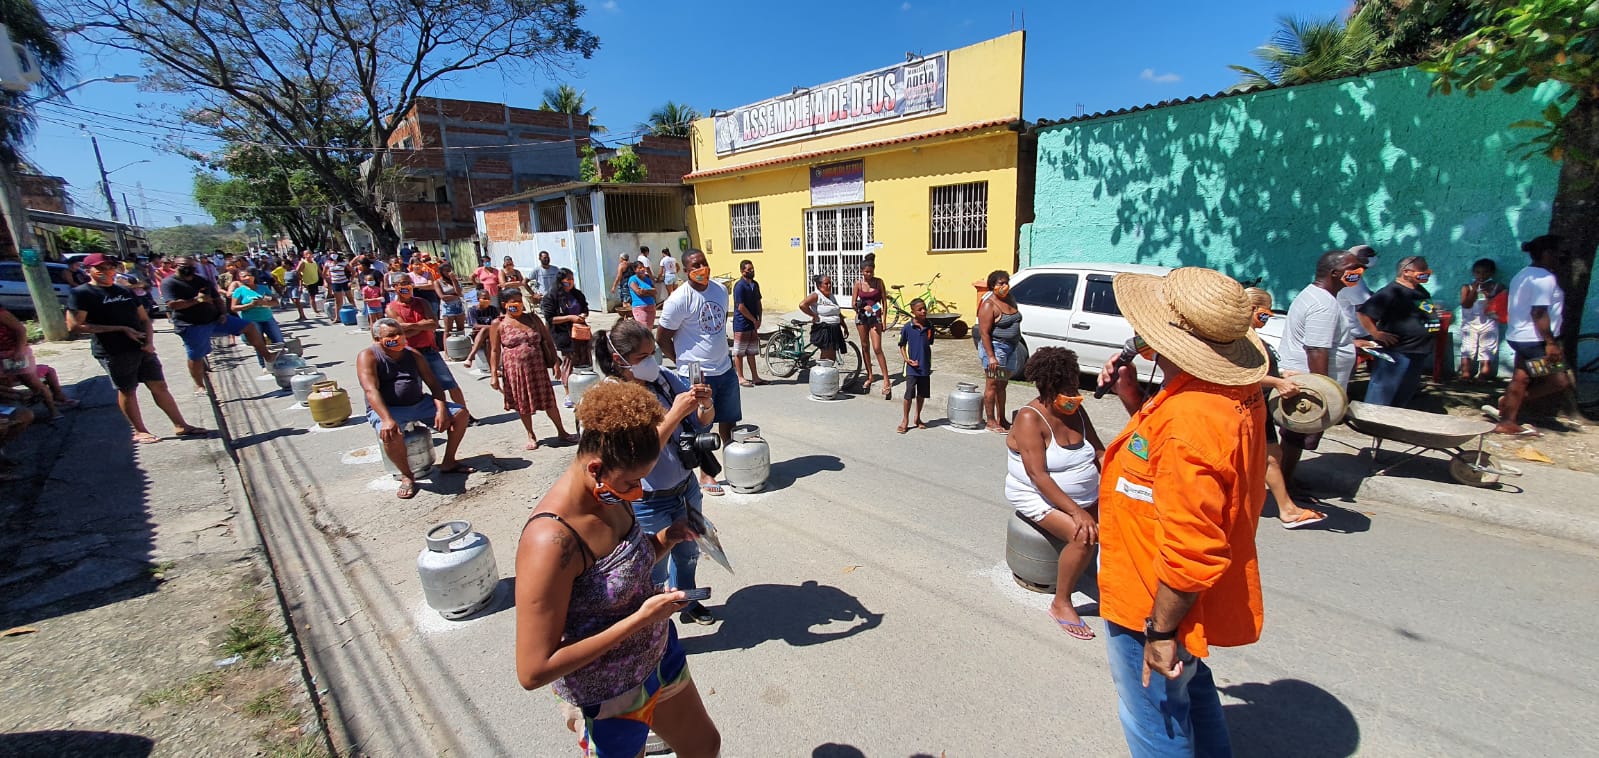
185, 271
1261, 317
1422, 277
749, 274
700, 275
394, 343
566, 286
647, 370
605, 493
1143, 348
403, 291
1002, 291
513, 310
102, 278
1067, 404
1352, 276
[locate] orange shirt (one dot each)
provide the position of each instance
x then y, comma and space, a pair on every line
1179, 499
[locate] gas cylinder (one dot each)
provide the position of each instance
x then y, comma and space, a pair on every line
330, 309
457, 569
418, 451
965, 407
580, 381
347, 315
824, 380
361, 318
1032, 554
747, 459
303, 380
458, 346
330, 406
285, 366
294, 345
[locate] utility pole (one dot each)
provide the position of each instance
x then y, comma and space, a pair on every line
105, 189
45, 305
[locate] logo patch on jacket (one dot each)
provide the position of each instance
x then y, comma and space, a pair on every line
1138, 446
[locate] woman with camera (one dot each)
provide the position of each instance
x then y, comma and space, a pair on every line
590, 621
627, 353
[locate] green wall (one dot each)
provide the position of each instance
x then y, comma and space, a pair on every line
1259, 185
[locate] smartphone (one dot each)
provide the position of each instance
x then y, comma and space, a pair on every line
696, 374
697, 594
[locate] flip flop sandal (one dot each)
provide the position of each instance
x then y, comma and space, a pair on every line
714, 490
570, 439
459, 468
1312, 517
745, 383
146, 438
192, 431
1080, 630
406, 491
920, 425
901, 429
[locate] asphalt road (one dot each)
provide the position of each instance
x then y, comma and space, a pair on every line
871, 613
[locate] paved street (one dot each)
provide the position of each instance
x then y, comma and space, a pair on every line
871, 613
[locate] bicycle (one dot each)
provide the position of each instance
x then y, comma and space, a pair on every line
899, 306
789, 350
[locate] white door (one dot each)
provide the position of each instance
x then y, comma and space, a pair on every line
836, 241
1099, 331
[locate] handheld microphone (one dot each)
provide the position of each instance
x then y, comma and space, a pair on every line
1129, 352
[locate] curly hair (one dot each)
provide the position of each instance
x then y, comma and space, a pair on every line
619, 420
1054, 371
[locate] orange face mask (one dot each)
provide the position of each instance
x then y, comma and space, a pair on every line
700, 275
1068, 404
1352, 276
1261, 317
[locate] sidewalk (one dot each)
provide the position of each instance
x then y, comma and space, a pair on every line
130, 566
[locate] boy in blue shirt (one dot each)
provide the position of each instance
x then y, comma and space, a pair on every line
916, 348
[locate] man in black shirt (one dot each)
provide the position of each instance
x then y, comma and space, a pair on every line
1403, 318
124, 342
198, 311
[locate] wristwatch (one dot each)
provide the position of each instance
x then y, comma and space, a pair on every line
1150, 635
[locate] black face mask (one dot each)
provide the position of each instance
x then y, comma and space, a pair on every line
186, 271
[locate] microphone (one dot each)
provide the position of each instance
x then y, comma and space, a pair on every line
1129, 352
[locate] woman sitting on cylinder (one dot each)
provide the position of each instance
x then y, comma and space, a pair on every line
521, 353
1052, 474
589, 619
827, 318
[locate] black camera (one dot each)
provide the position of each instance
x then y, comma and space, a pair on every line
696, 451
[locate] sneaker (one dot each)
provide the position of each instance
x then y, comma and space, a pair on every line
697, 614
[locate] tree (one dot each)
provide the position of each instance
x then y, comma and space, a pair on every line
29, 29
191, 239
626, 166
294, 69
670, 120
83, 240
1312, 50
588, 168
565, 99
1525, 44
1411, 31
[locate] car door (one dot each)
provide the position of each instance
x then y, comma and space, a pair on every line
1045, 299
59, 282
13, 289
1098, 330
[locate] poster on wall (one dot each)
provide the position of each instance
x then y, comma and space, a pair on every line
901, 91
838, 183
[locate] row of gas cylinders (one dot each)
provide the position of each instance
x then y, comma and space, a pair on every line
964, 409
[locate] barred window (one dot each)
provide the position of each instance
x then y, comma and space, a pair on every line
960, 217
746, 227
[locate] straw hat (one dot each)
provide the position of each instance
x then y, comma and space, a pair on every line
1199, 319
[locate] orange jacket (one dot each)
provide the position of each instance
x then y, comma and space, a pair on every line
1179, 499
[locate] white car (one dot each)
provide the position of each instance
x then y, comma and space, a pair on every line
1073, 305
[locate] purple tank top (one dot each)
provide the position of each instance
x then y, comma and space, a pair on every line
607, 592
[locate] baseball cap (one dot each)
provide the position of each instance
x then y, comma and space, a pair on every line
99, 259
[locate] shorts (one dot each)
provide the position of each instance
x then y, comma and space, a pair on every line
669, 279
1034, 508
197, 337
1480, 342
918, 387
644, 314
724, 395
872, 321
453, 308
1002, 354
746, 343
421, 413
827, 336
1527, 351
441, 372
129, 370
337, 287
619, 727
311, 289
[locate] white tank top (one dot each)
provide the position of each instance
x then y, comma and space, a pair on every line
827, 309
1072, 468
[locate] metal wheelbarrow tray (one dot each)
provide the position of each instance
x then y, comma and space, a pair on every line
1424, 431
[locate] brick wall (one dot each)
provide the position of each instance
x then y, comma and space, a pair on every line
506, 223
45, 193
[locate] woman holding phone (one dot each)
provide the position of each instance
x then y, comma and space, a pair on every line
590, 621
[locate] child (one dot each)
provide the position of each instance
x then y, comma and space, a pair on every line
372, 295
916, 349
1484, 305
482, 315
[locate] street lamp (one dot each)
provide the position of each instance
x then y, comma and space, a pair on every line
115, 79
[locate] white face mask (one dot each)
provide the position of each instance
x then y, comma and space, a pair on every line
647, 370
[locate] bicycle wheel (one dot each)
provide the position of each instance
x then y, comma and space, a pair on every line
1586, 367
849, 366
782, 354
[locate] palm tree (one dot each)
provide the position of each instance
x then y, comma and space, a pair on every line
565, 99
1312, 50
670, 120
28, 28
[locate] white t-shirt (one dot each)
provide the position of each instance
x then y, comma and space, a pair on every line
700, 320
645, 259
1351, 298
1533, 287
1315, 319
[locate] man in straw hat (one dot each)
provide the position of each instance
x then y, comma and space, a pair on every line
1180, 495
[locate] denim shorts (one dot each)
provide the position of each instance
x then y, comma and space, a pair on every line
422, 413
197, 337
453, 308
725, 396
440, 370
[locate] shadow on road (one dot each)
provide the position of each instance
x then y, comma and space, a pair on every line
1290, 717
787, 613
785, 473
65, 743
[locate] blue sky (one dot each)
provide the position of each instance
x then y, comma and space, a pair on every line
1096, 55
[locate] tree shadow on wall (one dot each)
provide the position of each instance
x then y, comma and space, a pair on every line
1283, 175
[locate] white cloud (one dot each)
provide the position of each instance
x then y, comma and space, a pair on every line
610, 6
904, 6
1149, 75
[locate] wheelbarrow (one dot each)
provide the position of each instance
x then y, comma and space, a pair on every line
949, 323
1424, 431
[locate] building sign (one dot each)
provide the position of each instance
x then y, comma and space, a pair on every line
901, 91
837, 183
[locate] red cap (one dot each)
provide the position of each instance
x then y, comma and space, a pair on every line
99, 259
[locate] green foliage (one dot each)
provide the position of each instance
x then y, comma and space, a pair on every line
588, 168
83, 240
1412, 31
28, 27
189, 239
670, 120
565, 99
1307, 50
626, 166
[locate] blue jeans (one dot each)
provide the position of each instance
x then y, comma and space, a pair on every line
270, 331
1396, 383
658, 512
1170, 717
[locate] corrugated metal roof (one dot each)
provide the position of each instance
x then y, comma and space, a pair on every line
634, 188
1014, 124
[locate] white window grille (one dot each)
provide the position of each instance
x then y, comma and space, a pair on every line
960, 217
746, 219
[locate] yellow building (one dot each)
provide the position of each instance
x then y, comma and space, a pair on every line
917, 162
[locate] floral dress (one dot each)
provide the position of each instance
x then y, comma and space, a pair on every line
524, 379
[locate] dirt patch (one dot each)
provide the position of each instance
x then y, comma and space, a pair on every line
1568, 446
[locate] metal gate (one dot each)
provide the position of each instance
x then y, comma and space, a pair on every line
836, 241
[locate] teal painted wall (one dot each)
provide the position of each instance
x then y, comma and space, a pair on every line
1259, 185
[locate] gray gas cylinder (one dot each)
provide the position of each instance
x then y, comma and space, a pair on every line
330, 309
580, 381
747, 459
1032, 554
284, 367
457, 569
457, 346
302, 382
418, 451
965, 408
824, 380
